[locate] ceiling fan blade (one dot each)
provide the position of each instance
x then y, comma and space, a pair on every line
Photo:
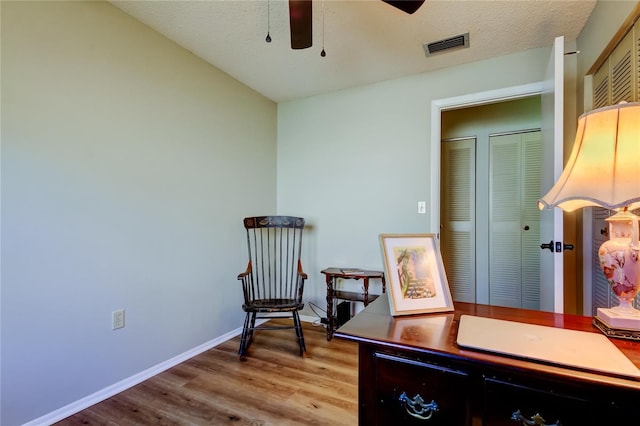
300, 21
408, 6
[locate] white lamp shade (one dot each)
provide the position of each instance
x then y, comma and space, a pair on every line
604, 167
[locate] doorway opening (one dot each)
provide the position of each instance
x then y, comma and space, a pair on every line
466, 126
490, 181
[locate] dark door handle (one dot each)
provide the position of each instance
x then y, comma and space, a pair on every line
526, 227
558, 247
547, 246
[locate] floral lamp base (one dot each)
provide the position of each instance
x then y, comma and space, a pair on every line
620, 263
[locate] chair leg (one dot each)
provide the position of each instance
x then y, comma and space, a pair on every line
252, 328
298, 326
244, 344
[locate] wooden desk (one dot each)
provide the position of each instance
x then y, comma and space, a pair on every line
403, 357
331, 275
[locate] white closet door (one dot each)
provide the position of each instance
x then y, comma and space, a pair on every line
457, 215
514, 255
505, 181
530, 226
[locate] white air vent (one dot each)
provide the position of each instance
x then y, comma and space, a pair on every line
451, 43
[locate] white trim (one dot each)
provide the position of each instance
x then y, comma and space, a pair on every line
109, 391
473, 99
309, 318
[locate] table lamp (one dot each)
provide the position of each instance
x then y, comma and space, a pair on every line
604, 170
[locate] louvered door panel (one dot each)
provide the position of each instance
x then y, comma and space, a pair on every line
622, 67
601, 92
459, 265
458, 217
504, 221
530, 226
514, 220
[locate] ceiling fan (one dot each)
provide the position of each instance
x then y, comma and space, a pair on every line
300, 19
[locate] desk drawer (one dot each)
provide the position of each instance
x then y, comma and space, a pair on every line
556, 406
401, 382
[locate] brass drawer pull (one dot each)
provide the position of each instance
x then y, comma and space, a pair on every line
417, 407
536, 420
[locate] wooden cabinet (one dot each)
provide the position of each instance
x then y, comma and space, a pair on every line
411, 371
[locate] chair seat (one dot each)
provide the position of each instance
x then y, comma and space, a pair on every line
272, 305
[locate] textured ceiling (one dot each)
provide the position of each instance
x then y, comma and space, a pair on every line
365, 41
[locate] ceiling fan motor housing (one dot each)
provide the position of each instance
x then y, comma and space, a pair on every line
300, 22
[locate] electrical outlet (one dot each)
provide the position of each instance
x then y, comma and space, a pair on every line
422, 207
117, 319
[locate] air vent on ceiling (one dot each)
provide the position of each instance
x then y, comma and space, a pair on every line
447, 44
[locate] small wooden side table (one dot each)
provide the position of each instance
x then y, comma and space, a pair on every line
332, 274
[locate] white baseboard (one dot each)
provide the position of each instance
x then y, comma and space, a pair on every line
309, 318
109, 391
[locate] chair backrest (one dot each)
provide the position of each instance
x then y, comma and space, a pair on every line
275, 245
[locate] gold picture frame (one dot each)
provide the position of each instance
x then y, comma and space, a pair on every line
415, 274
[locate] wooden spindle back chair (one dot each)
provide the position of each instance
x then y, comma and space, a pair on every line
274, 279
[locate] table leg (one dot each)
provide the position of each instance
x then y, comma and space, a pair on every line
366, 290
329, 280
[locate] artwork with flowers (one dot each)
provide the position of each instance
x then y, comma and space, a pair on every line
415, 274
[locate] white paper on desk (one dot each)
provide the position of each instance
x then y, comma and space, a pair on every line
578, 349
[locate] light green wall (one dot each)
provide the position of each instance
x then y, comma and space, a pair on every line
127, 166
356, 162
481, 121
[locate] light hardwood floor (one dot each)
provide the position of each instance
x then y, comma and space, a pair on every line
273, 386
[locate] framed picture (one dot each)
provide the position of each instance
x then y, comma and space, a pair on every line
415, 274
